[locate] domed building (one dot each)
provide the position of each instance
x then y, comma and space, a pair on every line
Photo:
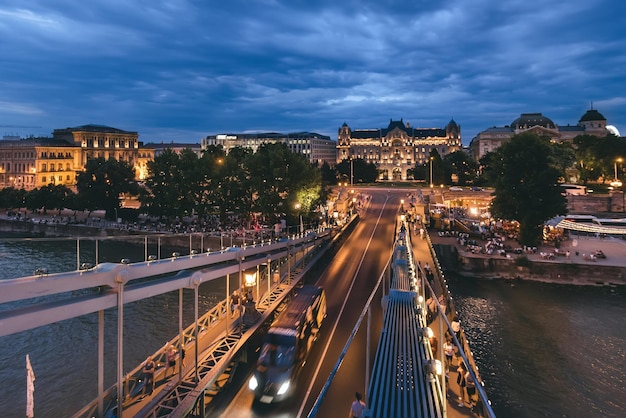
591, 123
397, 148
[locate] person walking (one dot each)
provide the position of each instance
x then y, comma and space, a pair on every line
448, 350
235, 302
358, 407
470, 387
460, 379
170, 358
149, 368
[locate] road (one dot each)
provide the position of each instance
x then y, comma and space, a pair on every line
348, 282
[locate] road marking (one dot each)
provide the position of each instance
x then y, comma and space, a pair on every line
345, 301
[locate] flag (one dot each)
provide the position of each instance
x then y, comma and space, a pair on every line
30, 389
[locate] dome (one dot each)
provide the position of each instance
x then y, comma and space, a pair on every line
528, 120
592, 115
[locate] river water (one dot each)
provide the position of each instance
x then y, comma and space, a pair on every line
546, 350
64, 355
543, 350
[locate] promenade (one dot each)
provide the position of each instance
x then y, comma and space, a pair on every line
613, 248
458, 404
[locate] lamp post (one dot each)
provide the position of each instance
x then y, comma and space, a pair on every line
431, 172
351, 172
298, 206
616, 182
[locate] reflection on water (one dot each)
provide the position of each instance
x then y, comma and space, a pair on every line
545, 349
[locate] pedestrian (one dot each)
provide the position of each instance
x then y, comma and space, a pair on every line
170, 358
448, 349
249, 297
149, 368
235, 301
470, 387
456, 328
358, 407
460, 380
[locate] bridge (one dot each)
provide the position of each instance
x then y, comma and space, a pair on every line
217, 337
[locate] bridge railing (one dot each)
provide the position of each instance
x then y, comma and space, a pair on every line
463, 346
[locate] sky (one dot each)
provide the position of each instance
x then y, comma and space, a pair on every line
179, 70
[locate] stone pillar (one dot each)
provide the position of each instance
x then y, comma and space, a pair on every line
617, 201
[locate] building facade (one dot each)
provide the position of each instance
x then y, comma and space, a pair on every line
36, 162
398, 148
99, 141
591, 123
317, 148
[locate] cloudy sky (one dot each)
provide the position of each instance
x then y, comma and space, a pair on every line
178, 70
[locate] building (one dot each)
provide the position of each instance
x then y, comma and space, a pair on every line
35, 162
397, 148
317, 148
591, 123
159, 148
99, 141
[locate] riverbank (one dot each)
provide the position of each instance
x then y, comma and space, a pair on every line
572, 264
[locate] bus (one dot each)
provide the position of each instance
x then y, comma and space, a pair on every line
287, 344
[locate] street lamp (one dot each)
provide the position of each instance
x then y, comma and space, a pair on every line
431, 172
616, 182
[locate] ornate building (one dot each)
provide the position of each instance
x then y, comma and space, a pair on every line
35, 162
97, 141
591, 123
398, 147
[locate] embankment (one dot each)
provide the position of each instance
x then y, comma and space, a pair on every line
497, 267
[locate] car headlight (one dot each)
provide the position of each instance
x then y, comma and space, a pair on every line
253, 383
283, 388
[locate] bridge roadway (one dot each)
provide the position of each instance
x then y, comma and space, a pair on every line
349, 282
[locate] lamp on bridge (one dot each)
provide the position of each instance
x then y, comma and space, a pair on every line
432, 368
250, 279
426, 333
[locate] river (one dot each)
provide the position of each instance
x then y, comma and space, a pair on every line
543, 350
546, 350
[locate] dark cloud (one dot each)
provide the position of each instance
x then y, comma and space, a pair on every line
179, 70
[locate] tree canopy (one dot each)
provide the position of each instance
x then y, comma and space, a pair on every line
526, 185
102, 183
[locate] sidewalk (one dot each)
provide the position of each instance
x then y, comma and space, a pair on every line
454, 409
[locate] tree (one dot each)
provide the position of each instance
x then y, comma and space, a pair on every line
284, 182
437, 169
526, 187
459, 163
562, 157
162, 186
329, 175
359, 171
103, 181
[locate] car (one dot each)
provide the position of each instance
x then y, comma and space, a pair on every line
476, 189
599, 254
456, 189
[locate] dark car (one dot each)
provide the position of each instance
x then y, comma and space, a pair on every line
599, 254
